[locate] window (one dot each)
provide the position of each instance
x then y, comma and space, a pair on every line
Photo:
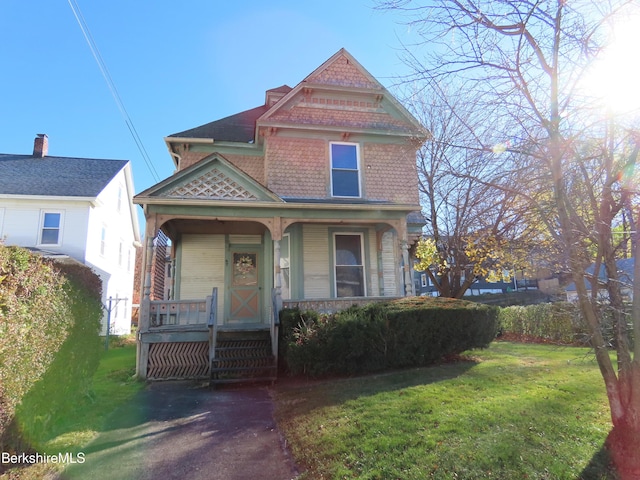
423, 280
103, 241
119, 202
345, 175
349, 265
51, 223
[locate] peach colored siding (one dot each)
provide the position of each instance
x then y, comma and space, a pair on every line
389, 173
342, 72
297, 167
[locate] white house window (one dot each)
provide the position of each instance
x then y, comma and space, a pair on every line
119, 203
349, 265
423, 280
103, 241
51, 224
345, 170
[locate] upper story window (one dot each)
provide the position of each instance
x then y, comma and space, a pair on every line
345, 169
51, 226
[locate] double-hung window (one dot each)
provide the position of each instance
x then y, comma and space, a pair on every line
349, 265
51, 225
345, 169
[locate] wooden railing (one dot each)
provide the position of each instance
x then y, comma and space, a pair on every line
174, 313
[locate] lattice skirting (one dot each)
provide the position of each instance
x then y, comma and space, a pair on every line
178, 360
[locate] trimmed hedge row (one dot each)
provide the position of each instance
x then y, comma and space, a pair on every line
49, 344
403, 333
558, 322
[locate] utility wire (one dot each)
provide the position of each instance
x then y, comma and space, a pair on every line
112, 86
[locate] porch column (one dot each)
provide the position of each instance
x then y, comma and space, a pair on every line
408, 281
277, 279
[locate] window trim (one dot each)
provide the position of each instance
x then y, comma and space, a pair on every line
363, 256
43, 214
357, 170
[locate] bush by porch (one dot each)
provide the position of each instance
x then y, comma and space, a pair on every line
408, 332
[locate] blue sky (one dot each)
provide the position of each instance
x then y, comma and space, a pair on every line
176, 65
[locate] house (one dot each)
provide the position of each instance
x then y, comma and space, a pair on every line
308, 200
78, 207
625, 277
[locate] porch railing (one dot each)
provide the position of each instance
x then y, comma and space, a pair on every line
177, 313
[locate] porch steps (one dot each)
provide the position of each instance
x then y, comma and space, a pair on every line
243, 356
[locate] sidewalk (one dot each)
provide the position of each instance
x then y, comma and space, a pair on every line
179, 430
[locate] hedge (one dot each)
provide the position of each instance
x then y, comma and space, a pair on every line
408, 332
554, 322
49, 344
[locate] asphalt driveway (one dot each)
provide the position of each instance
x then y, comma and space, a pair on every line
182, 430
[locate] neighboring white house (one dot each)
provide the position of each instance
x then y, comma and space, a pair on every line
79, 207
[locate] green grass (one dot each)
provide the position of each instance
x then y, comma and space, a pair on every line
113, 385
517, 411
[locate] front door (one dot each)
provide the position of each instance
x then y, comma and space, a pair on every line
245, 286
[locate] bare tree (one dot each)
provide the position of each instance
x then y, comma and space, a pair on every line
526, 60
473, 226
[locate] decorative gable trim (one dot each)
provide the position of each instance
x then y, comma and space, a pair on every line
212, 178
341, 94
213, 185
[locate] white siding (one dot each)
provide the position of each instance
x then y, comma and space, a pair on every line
115, 270
81, 223
23, 222
390, 264
316, 263
202, 268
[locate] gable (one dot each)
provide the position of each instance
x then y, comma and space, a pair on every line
343, 70
213, 178
342, 95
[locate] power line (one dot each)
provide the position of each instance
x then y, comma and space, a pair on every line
112, 86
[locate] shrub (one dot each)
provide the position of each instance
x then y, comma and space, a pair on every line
402, 333
558, 322
49, 345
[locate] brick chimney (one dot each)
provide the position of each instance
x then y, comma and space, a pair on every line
41, 145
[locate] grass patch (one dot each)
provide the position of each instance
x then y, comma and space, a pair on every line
518, 411
113, 385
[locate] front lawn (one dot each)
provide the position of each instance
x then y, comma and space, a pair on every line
516, 411
113, 385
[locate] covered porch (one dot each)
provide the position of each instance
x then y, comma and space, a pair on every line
215, 279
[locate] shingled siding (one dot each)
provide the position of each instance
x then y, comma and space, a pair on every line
297, 167
389, 173
343, 73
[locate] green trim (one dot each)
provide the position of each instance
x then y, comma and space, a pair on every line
322, 212
265, 269
296, 267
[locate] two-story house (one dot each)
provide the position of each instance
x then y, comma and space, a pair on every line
79, 207
309, 200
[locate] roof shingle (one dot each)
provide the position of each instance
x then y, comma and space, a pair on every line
56, 176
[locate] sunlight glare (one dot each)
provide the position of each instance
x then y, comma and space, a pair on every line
613, 77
